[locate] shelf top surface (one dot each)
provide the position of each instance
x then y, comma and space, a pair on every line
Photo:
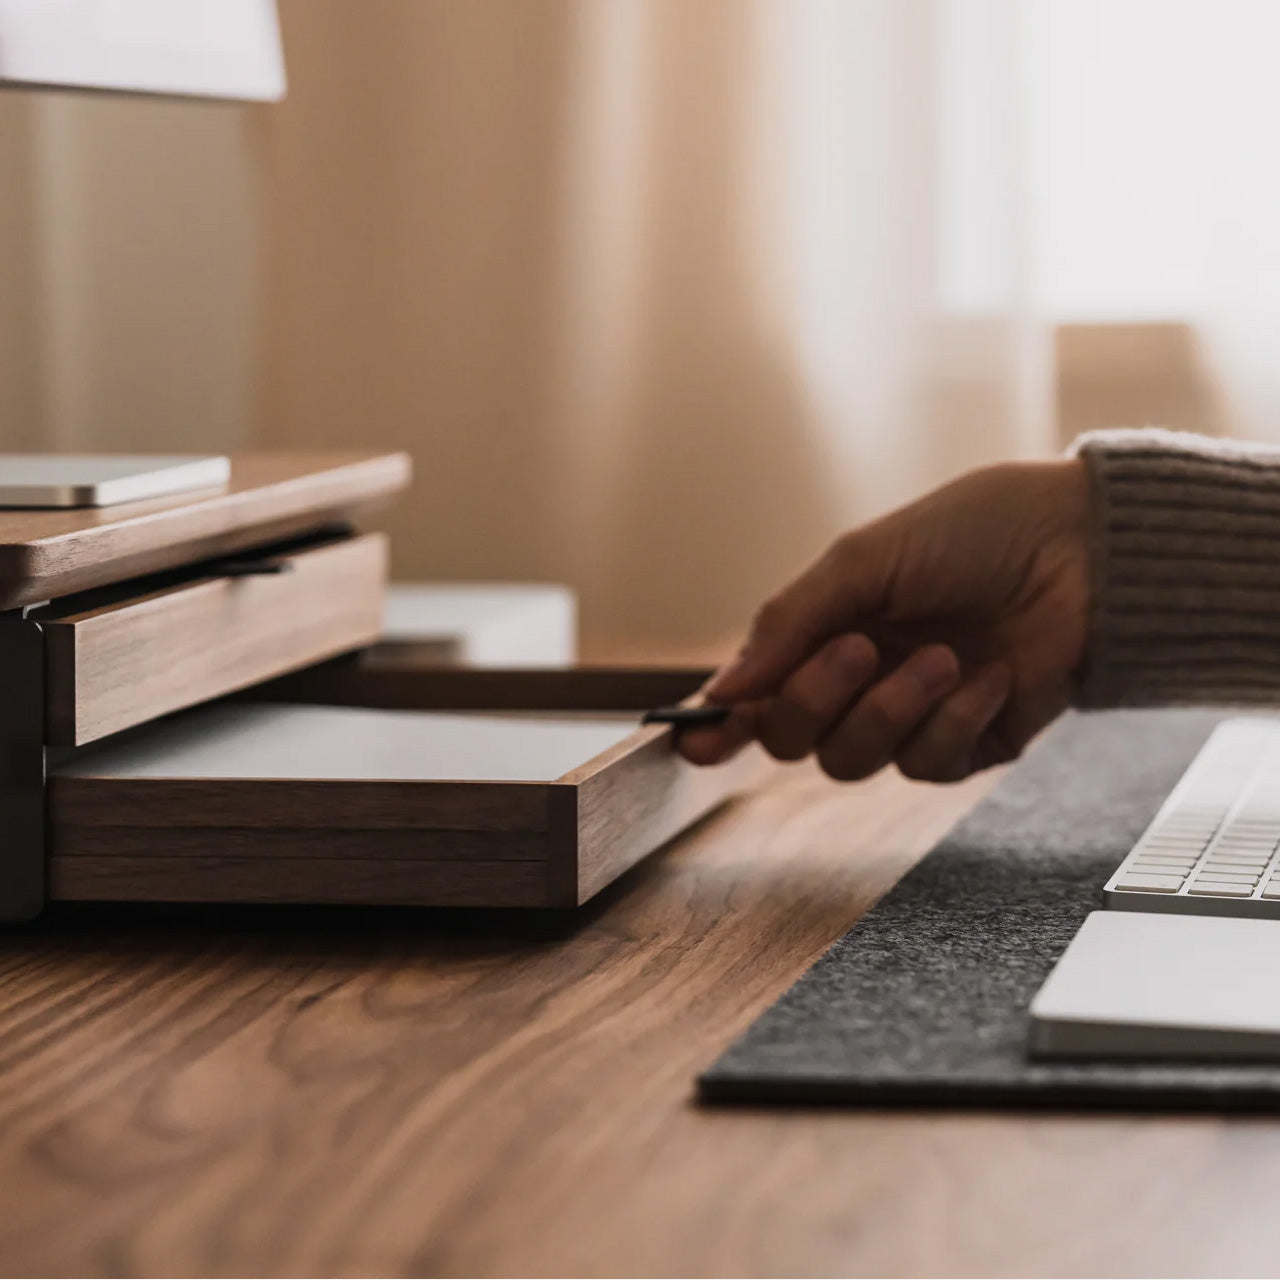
50, 552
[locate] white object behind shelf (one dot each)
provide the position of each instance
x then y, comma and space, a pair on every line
483, 624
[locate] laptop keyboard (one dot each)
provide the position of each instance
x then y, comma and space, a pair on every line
1212, 848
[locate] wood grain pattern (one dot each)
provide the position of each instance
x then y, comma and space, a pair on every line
381, 1093
631, 800
592, 823
289, 845
125, 663
149, 803
318, 880
272, 496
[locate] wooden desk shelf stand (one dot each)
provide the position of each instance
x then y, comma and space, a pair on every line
151, 653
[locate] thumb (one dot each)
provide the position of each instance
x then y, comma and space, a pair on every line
844, 586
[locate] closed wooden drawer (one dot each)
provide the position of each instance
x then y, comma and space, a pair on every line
117, 664
261, 802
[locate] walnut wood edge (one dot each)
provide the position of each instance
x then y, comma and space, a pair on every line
630, 801
275, 803
245, 879
67, 552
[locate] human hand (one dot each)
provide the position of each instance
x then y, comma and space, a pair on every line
943, 636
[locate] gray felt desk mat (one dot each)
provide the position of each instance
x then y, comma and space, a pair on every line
925, 1000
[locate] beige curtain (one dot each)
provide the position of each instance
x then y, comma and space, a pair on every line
651, 289
129, 276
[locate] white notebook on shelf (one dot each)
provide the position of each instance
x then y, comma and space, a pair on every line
104, 479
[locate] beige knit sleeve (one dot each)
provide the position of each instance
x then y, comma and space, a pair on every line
1186, 572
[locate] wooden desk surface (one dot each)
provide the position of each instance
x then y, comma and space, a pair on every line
370, 1093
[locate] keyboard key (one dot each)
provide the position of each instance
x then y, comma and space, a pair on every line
1272, 890
1157, 869
1221, 889
1148, 882
1217, 873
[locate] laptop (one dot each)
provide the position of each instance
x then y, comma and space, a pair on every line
1184, 959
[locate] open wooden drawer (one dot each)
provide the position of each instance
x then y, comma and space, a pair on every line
345, 798
121, 656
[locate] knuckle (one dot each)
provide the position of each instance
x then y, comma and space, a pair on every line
848, 661
879, 720
958, 723
846, 547
770, 617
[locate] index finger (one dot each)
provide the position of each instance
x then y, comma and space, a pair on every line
715, 743
844, 585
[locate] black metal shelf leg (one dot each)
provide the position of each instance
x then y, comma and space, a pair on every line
22, 768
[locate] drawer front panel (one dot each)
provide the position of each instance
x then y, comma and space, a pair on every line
362, 882
165, 823
126, 663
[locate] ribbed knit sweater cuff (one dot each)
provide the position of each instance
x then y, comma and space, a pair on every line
1186, 576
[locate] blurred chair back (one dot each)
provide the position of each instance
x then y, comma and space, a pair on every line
1134, 375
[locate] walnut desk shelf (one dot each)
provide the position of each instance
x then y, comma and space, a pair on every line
197, 710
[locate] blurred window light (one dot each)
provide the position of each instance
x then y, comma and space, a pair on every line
980, 187
1109, 159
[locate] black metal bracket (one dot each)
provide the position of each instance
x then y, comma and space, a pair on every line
22, 768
